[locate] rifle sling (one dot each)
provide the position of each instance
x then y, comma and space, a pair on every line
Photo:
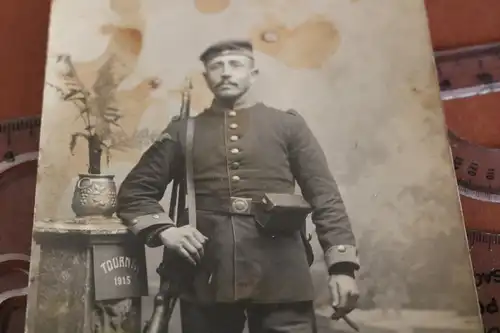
191, 198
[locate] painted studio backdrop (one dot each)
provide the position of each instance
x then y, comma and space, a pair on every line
360, 72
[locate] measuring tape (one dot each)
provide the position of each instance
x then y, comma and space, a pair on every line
469, 71
485, 255
477, 169
463, 73
25, 129
18, 170
17, 183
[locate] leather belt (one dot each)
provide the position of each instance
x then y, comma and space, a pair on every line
232, 205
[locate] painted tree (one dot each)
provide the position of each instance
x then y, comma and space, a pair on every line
96, 109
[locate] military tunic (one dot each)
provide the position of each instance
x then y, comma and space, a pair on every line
245, 153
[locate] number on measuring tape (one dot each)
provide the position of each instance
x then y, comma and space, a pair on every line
485, 254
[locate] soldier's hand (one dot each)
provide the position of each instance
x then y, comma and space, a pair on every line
186, 241
345, 294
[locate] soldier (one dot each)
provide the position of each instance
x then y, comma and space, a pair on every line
242, 150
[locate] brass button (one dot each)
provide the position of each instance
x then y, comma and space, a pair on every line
233, 138
235, 165
235, 151
341, 248
235, 178
232, 113
156, 216
233, 126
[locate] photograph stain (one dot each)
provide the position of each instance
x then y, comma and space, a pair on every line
211, 6
125, 39
308, 45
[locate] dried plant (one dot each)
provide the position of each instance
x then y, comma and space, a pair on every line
97, 110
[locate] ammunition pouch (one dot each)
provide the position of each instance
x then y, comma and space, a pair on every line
282, 213
286, 213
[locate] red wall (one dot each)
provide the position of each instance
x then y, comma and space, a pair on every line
23, 34
456, 23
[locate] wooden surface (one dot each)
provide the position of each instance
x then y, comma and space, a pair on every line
453, 23
23, 34
16, 204
23, 31
457, 23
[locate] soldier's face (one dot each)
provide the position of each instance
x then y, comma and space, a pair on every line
230, 76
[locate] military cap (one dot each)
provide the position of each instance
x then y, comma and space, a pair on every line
231, 46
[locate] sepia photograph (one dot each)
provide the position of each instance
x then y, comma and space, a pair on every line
246, 166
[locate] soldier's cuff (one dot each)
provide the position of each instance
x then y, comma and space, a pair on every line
143, 223
340, 254
152, 239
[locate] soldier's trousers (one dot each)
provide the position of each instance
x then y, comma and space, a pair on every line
261, 318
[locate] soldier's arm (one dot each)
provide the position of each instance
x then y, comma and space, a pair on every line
310, 168
142, 189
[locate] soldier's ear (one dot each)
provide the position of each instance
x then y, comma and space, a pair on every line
254, 73
205, 76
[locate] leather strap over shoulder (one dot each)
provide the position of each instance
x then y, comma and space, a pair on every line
191, 197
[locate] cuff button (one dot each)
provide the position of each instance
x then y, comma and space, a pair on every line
341, 248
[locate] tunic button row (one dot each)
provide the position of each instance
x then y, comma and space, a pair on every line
234, 151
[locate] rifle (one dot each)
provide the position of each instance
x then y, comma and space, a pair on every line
166, 299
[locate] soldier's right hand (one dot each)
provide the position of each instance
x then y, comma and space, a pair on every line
186, 241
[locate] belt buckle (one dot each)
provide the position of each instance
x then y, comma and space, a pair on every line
241, 205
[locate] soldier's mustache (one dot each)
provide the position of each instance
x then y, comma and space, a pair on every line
226, 83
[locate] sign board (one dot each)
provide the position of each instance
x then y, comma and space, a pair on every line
119, 271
